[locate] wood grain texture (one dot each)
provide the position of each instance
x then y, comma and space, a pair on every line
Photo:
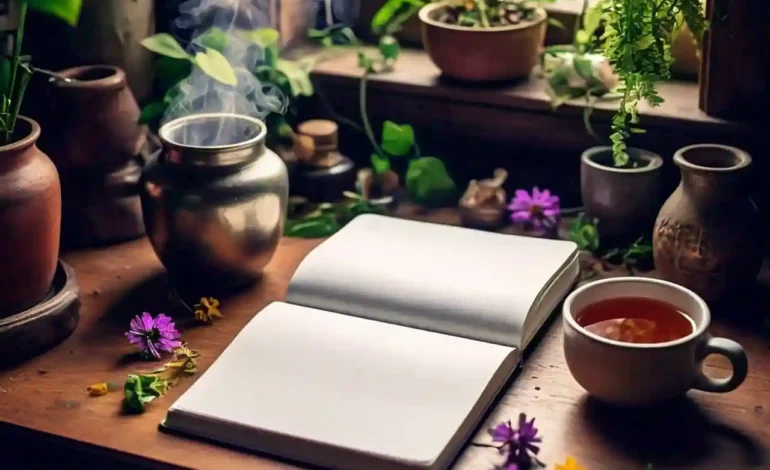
43, 403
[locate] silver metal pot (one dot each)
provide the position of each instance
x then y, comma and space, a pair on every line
215, 201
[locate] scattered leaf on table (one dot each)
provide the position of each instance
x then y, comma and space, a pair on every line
98, 389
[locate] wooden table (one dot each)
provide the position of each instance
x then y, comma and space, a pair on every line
46, 416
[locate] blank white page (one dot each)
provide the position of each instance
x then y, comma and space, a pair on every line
379, 389
453, 280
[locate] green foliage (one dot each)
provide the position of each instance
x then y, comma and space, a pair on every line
585, 234
328, 219
638, 253
397, 140
390, 18
15, 71
637, 42
216, 66
165, 45
65, 10
334, 35
142, 389
428, 183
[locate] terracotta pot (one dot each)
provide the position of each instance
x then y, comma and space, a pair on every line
93, 121
707, 236
30, 219
625, 200
482, 54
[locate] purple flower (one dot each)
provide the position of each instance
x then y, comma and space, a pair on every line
541, 209
517, 443
503, 432
153, 335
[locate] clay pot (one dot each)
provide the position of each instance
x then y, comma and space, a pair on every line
93, 121
625, 200
30, 219
482, 54
707, 237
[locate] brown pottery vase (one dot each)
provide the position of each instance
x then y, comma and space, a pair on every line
30, 219
93, 121
625, 200
706, 236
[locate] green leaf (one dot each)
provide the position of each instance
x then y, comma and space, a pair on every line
67, 10
428, 183
592, 19
584, 68
397, 139
385, 14
214, 38
313, 227
582, 37
170, 71
389, 48
364, 61
165, 45
216, 66
380, 164
142, 389
555, 23
153, 112
645, 42
265, 37
297, 76
584, 233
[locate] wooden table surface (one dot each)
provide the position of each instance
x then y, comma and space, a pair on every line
46, 416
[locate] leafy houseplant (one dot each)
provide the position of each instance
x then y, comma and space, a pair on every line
637, 41
484, 40
15, 71
290, 78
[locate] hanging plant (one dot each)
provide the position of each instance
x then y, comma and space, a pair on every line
637, 41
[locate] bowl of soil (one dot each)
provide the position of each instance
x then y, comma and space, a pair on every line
494, 40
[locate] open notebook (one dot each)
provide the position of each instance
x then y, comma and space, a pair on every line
394, 339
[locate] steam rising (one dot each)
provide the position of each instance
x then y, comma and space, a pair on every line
199, 93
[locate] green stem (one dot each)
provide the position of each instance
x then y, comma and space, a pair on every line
482, 6
335, 115
365, 117
579, 24
15, 68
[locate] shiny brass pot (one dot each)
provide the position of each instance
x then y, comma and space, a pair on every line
215, 201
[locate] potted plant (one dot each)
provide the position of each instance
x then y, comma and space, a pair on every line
30, 192
484, 40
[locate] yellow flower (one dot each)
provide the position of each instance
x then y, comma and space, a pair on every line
570, 464
207, 309
97, 390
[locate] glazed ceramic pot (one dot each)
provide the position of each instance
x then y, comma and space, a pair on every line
707, 236
215, 202
93, 120
625, 200
30, 220
482, 54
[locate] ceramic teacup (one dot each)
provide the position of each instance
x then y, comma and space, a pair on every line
643, 374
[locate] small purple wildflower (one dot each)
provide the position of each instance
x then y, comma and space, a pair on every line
539, 210
517, 443
153, 335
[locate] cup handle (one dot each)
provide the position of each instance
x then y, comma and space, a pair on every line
732, 351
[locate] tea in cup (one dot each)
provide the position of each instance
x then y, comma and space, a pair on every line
639, 341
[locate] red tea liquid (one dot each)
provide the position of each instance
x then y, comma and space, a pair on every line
635, 320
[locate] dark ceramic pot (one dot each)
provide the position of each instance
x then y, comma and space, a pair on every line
625, 200
30, 220
92, 124
707, 236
